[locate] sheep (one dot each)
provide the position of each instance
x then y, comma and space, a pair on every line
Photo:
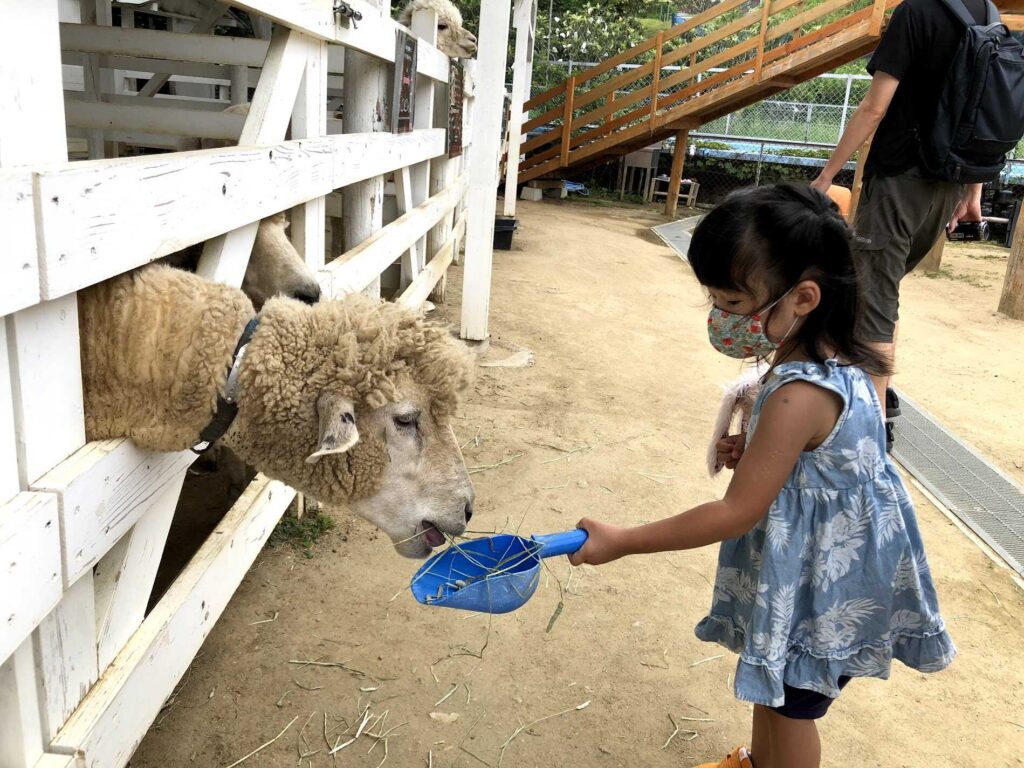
275, 268
453, 40
347, 401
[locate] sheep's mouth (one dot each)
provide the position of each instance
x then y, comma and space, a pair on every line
432, 536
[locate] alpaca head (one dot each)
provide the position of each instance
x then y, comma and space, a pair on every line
453, 39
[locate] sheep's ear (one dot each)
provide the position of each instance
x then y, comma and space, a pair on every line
338, 431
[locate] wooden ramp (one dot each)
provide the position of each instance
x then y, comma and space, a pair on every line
686, 76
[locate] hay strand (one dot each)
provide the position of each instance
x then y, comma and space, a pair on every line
264, 746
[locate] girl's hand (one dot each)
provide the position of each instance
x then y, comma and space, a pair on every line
605, 543
729, 450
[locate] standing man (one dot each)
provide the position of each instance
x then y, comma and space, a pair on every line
902, 210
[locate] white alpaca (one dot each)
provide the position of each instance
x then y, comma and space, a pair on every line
453, 39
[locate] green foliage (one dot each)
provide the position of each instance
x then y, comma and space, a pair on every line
592, 32
301, 534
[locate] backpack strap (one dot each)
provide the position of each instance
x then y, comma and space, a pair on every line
991, 12
960, 11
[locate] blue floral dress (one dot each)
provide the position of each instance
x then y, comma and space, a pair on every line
833, 581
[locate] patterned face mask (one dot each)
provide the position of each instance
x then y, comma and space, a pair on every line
743, 336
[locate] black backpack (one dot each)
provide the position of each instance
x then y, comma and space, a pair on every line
980, 117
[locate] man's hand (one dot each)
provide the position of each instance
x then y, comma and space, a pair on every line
604, 543
968, 209
822, 183
729, 450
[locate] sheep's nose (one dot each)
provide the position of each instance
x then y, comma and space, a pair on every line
469, 510
309, 294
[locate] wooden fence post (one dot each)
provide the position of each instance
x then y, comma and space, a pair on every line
367, 102
676, 174
762, 34
858, 181
523, 15
656, 78
1011, 302
483, 171
44, 400
570, 95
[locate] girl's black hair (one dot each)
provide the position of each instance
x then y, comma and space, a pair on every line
775, 236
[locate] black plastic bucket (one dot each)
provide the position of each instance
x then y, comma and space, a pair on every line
504, 227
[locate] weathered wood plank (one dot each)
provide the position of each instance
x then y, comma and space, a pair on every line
19, 269
373, 35
124, 579
21, 737
30, 580
358, 267
65, 655
121, 706
431, 274
105, 217
104, 488
226, 257
152, 44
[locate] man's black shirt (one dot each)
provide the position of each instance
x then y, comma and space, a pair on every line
917, 49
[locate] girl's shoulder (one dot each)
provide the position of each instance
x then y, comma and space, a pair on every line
858, 426
851, 383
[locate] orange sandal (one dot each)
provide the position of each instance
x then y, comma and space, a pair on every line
738, 758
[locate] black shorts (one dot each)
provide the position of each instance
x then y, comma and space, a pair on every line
898, 220
801, 704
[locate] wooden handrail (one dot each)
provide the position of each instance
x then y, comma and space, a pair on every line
877, 17
616, 84
697, 46
543, 98
762, 32
807, 17
751, 63
570, 90
656, 75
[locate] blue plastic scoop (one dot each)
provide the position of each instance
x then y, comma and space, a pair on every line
493, 575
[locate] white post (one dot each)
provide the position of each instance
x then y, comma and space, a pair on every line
846, 106
97, 82
524, 14
309, 119
424, 26
483, 171
39, 344
365, 109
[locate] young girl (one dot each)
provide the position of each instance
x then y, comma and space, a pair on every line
821, 573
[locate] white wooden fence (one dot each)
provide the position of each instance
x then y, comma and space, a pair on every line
83, 672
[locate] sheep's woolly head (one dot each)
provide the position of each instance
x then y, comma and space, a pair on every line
349, 402
453, 39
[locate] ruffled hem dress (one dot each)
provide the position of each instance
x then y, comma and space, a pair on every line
833, 581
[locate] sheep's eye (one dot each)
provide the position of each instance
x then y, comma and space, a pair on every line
442, 27
410, 419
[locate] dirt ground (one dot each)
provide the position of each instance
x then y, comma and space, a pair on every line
611, 421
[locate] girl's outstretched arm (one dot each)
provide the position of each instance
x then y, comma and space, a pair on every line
796, 417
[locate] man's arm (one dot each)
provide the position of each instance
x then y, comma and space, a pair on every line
860, 128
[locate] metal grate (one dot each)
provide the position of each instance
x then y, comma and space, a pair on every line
989, 503
676, 234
